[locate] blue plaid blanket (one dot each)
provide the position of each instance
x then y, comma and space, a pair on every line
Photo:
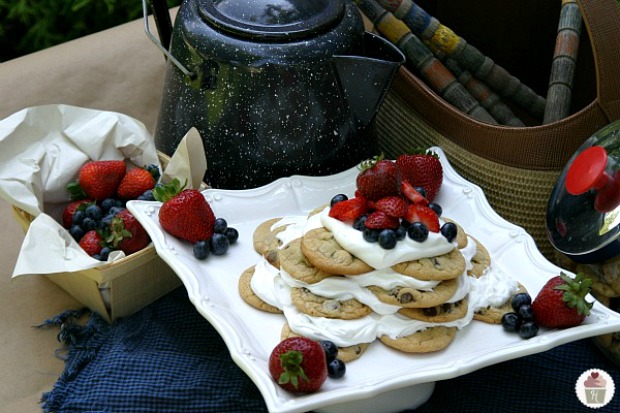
168, 358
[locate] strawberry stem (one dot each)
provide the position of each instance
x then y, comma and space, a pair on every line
168, 191
291, 363
575, 291
370, 163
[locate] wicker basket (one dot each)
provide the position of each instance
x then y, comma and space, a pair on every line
119, 288
516, 167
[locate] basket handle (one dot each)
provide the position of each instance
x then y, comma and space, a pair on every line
602, 20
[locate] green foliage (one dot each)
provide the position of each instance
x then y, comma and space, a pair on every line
31, 25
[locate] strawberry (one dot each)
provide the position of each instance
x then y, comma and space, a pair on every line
412, 194
185, 213
127, 234
92, 242
381, 220
378, 178
421, 168
561, 302
393, 206
298, 365
135, 182
348, 211
97, 180
67, 213
423, 214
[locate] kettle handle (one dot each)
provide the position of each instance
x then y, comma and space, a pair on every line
161, 15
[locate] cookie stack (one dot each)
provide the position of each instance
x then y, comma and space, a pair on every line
326, 291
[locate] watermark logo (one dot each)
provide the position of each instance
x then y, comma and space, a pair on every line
595, 388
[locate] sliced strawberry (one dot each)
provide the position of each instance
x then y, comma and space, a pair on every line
423, 214
412, 194
348, 211
394, 206
381, 220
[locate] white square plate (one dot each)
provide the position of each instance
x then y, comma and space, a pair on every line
251, 334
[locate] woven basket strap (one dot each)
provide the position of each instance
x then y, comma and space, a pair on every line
602, 19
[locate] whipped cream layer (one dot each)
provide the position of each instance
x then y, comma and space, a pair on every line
407, 249
274, 287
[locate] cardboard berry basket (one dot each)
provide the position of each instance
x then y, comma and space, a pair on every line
118, 288
42, 149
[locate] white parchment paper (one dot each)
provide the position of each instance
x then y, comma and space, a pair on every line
41, 150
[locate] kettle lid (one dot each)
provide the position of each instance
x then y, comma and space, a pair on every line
583, 214
272, 20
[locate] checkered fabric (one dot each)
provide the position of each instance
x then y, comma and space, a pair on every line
168, 358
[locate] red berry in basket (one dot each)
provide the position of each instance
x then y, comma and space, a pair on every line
135, 182
349, 210
422, 168
423, 214
561, 302
298, 365
67, 213
92, 243
185, 213
379, 178
127, 234
98, 180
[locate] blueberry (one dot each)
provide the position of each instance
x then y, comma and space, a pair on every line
107, 203
106, 221
520, 299
115, 210
78, 217
528, 329
147, 195
94, 212
417, 232
77, 232
232, 234
371, 235
219, 244
511, 322
89, 224
105, 251
449, 230
201, 250
436, 207
220, 225
154, 171
401, 232
421, 190
331, 349
360, 223
526, 313
336, 369
338, 198
387, 239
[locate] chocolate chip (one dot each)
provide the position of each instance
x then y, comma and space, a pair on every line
406, 298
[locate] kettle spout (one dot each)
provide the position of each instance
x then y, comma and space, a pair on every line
366, 79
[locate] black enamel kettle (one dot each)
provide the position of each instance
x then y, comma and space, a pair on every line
275, 87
